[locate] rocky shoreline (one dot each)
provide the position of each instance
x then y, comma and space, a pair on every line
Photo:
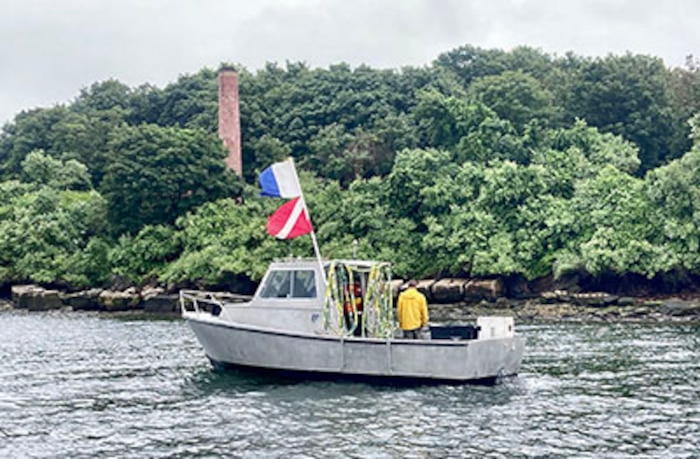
644, 310
151, 300
444, 305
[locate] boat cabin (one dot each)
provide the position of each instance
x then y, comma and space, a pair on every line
347, 298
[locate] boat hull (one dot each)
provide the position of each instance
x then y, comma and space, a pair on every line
320, 356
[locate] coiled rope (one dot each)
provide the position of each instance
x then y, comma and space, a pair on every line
377, 320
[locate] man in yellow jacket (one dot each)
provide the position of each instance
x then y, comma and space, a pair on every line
412, 311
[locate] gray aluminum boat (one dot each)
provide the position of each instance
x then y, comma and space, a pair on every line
297, 324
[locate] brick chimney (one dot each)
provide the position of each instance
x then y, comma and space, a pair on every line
230, 119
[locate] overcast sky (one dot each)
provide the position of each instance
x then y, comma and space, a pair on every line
50, 49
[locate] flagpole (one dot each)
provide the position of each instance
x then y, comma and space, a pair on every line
313, 234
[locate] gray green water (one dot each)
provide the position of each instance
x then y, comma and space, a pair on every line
84, 385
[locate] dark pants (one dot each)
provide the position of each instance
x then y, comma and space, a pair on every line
348, 321
411, 334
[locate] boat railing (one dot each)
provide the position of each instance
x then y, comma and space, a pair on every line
210, 302
290, 259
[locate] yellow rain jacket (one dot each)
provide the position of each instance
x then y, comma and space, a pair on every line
412, 309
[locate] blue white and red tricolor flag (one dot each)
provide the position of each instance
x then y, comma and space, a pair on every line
292, 219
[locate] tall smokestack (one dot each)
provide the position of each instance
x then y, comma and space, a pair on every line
230, 118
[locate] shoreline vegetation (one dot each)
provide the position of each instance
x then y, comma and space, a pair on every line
514, 177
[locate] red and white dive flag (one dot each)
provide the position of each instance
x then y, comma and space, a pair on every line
290, 220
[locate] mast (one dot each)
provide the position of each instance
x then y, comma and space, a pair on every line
317, 251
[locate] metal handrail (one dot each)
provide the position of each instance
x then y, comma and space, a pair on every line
197, 297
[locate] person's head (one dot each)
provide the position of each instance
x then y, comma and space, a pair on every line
412, 283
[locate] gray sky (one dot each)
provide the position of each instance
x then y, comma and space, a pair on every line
50, 49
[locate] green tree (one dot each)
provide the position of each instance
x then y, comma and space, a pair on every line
616, 236
494, 220
31, 130
143, 257
83, 137
44, 170
516, 97
346, 156
625, 95
413, 172
190, 102
468, 63
472, 131
685, 88
103, 96
269, 150
674, 192
157, 174
360, 213
364, 111
42, 231
579, 152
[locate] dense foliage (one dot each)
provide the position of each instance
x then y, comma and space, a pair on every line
484, 163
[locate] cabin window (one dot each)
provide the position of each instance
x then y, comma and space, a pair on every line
304, 284
290, 284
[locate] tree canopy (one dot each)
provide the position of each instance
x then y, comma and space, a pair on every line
484, 163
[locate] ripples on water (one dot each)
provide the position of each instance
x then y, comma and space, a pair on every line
83, 385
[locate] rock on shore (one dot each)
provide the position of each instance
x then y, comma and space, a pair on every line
36, 298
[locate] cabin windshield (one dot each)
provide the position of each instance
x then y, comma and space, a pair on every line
300, 283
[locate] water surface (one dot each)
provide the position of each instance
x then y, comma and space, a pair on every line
89, 385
